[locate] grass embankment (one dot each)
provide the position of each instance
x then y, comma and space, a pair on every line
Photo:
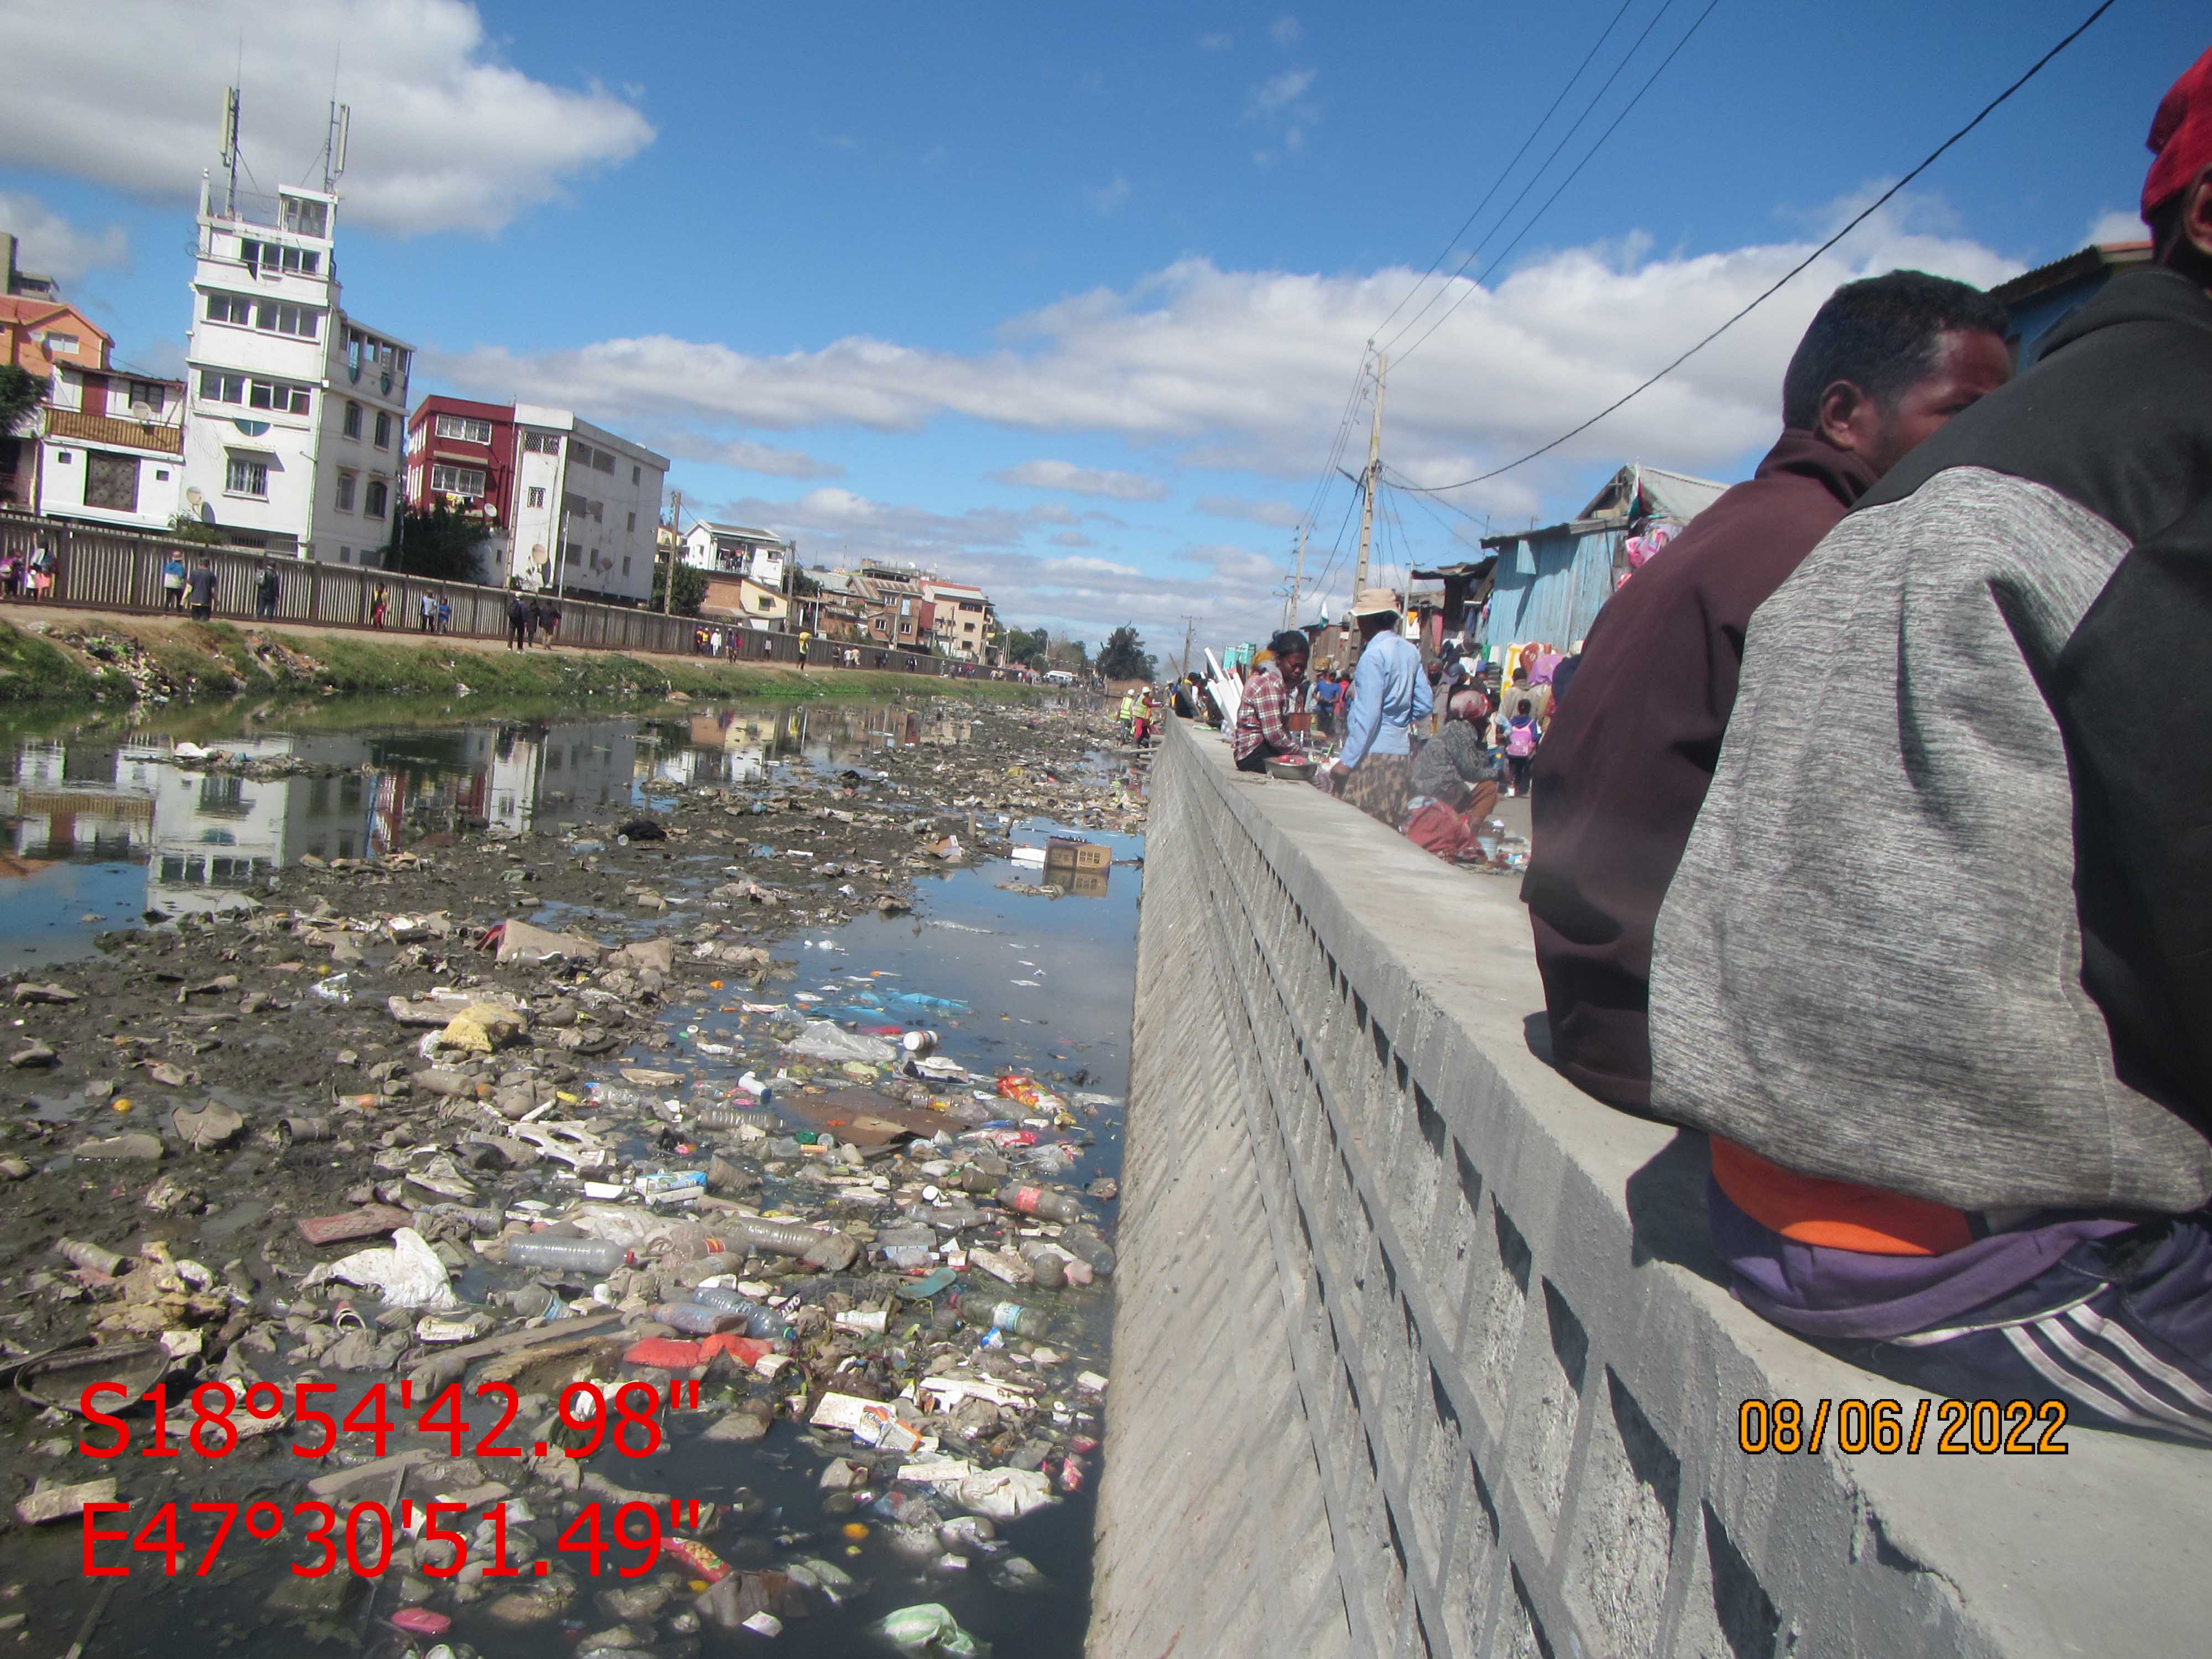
82, 659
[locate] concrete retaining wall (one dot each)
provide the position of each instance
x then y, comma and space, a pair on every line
1419, 1351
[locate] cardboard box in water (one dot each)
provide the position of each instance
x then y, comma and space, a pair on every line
1066, 852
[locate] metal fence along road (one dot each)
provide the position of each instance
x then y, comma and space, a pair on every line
100, 569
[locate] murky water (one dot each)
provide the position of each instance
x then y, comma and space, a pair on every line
99, 831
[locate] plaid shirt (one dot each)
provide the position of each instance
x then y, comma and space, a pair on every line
1259, 717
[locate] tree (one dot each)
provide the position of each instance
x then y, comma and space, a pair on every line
1123, 657
184, 527
20, 391
1025, 649
690, 587
1071, 655
442, 545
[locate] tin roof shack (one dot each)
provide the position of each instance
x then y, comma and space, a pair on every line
2040, 300
1549, 584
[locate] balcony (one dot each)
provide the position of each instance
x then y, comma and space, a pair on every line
80, 428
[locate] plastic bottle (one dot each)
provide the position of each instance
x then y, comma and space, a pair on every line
1044, 1202
1011, 1317
617, 1094
1085, 1242
761, 1321
969, 1179
822, 1246
90, 1257
696, 1319
1047, 1267
589, 1255
734, 1117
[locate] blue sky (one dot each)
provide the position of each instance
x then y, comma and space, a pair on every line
1070, 300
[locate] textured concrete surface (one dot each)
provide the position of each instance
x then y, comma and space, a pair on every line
1419, 1351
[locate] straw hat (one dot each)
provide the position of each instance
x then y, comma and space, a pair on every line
1375, 602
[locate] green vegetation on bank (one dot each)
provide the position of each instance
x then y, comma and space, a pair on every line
137, 659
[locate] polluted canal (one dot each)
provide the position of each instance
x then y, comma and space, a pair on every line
655, 1203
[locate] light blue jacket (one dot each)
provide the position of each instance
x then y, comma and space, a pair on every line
1390, 692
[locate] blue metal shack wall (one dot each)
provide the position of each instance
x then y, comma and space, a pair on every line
1550, 587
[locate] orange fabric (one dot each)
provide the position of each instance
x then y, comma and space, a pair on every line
1836, 1215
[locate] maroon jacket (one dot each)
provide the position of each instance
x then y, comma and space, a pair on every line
1625, 764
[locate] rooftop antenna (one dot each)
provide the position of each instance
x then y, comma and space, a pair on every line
230, 146
334, 146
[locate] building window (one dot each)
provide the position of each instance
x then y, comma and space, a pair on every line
625, 564
598, 512
383, 430
537, 496
55, 343
346, 492
276, 395
230, 308
633, 524
603, 460
247, 477
216, 387
637, 477
542, 443
268, 257
147, 396
379, 494
277, 316
457, 480
308, 218
345, 556
353, 420
110, 481
468, 431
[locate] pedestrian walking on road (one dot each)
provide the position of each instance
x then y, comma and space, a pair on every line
11, 573
379, 605
518, 622
172, 582
427, 614
552, 622
445, 612
200, 585
265, 594
805, 640
1523, 735
533, 621
38, 579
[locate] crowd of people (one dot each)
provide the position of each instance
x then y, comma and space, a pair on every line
1863, 843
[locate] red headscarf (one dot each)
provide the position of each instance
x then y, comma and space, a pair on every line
2181, 134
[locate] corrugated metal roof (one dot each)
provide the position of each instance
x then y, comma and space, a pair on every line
1678, 496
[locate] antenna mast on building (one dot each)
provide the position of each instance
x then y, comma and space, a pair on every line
334, 145
230, 146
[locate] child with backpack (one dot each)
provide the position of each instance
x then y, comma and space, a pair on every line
1523, 735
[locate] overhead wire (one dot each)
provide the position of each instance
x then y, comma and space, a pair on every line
1934, 154
1566, 138
1499, 258
1506, 172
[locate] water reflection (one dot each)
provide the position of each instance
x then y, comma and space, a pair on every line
125, 825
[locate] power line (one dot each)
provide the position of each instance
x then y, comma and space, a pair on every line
2034, 70
1566, 138
1530, 224
1506, 172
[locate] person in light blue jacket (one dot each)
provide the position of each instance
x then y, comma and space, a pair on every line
1390, 692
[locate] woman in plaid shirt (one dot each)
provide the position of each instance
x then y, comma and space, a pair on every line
1261, 734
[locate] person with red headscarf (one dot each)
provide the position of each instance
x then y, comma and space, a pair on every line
1935, 969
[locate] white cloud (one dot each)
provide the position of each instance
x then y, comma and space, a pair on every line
1216, 42
1248, 370
1281, 514
1083, 481
1287, 32
52, 246
747, 456
1071, 538
1108, 199
445, 136
2118, 226
1279, 91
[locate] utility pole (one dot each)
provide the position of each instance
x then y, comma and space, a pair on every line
1189, 625
1297, 580
1373, 478
675, 551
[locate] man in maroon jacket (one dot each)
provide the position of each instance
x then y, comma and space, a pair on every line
1626, 762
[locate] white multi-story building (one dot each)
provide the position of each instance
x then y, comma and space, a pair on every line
588, 497
297, 412
760, 555
961, 619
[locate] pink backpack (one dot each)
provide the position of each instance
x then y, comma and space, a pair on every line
1521, 737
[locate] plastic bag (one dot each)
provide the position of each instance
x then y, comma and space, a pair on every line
1004, 1494
409, 1274
930, 1632
824, 1039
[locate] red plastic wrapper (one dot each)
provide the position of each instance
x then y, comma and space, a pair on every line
1016, 1087
665, 1354
421, 1621
697, 1557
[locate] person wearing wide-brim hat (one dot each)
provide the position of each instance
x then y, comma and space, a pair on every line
1374, 771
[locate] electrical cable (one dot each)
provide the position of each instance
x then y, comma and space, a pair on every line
1506, 172
1933, 155
1566, 138
1475, 286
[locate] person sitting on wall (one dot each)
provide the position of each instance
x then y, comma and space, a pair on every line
1625, 764
1262, 734
1935, 972
1374, 771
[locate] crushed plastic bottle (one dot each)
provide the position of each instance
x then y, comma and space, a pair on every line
1044, 1202
591, 1255
761, 1321
1014, 1318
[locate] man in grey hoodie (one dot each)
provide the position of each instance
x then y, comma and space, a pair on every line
1935, 972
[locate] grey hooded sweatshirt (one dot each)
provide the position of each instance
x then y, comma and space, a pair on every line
1944, 926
